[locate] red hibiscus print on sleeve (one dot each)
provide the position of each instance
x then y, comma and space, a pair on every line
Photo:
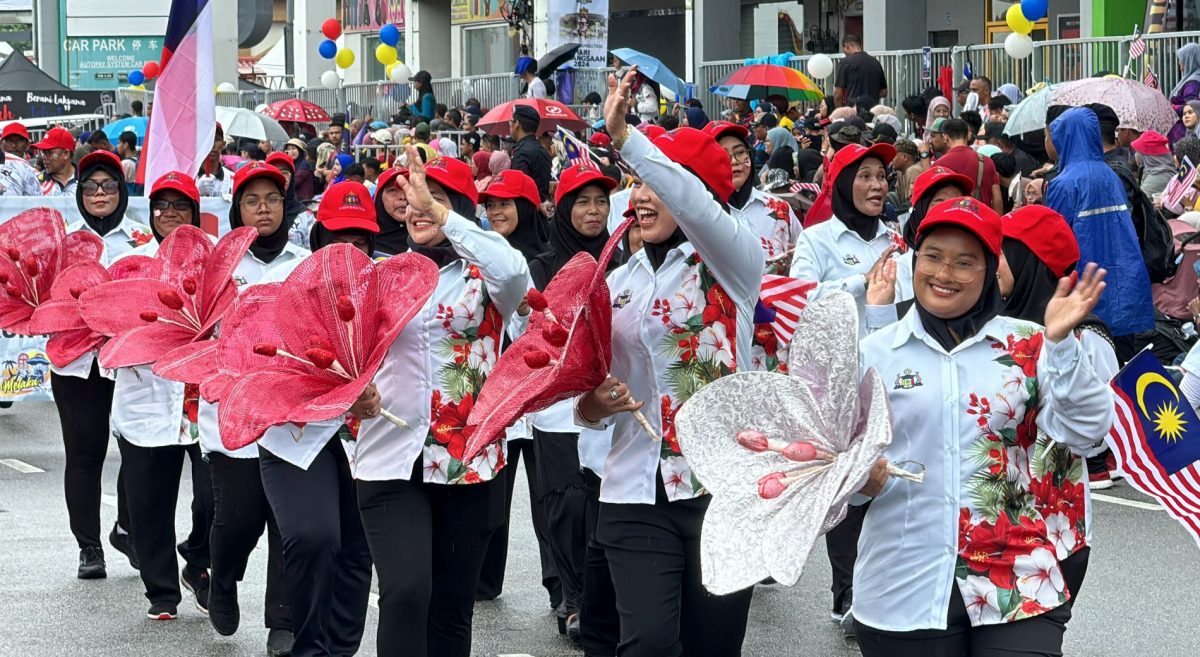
449, 424
1025, 352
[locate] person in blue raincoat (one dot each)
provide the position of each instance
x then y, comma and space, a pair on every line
1089, 195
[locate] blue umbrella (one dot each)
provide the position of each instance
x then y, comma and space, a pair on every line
136, 124
651, 68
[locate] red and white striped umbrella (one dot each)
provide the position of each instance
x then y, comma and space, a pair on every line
295, 109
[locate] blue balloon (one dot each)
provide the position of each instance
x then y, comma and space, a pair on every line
1034, 10
390, 35
136, 78
327, 49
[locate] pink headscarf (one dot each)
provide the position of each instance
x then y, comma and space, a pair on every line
499, 162
481, 160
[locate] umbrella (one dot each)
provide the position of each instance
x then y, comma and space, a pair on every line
324, 337
135, 124
295, 109
184, 294
34, 248
565, 352
759, 81
1138, 106
652, 68
1029, 115
783, 454
240, 122
547, 64
552, 113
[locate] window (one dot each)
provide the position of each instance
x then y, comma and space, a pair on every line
375, 71
489, 49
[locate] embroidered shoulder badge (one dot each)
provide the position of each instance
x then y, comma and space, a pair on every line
908, 380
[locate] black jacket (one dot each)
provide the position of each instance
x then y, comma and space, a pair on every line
530, 158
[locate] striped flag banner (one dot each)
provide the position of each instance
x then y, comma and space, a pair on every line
786, 297
183, 123
1149, 78
576, 151
798, 187
1138, 47
1179, 186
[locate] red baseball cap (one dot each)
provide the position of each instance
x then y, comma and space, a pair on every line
718, 129
935, 176
348, 206
454, 175
96, 157
56, 138
600, 139
388, 176
15, 129
277, 158
511, 183
579, 176
968, 214
855, 153
1046, 233
180, 182
254, 170
652, 131
701, 153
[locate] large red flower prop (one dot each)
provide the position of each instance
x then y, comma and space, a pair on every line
327, 331
565, 352
190, 288
34, 248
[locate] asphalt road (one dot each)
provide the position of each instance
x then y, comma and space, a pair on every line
1139, 598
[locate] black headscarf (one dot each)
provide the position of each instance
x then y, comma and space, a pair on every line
950, 332
530, 237
154, 229
565, 242
843, 204
393, 234
741, 195
443, 254
104, 225
320, 236
782, 158
1033, 283
919, 209
264, 247
292, 206
657, 253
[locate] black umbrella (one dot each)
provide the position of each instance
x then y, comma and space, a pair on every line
549, 63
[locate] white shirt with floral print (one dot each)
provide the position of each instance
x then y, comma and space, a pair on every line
434, 370
990, 421
774, 223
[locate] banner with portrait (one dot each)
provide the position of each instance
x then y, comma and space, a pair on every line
584, 22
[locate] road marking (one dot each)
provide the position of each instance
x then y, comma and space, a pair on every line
110, 500
21, 466
1124, 502
373, 600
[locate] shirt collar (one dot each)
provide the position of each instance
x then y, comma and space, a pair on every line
910, 328
640, 259
840, 228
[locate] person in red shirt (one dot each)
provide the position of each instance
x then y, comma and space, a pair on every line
963, 159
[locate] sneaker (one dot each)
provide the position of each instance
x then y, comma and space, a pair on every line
1100, 481
223, 610
279, 643
847, 623
836, 616
196, 580
91, 563
6, 404
162, 611
123, 542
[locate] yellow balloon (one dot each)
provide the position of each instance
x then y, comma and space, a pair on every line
138, 87
1017, 21
344, 58
386, 54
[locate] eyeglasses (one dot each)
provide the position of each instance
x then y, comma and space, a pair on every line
91, 188
56, 154
962, 271
272, 201
179, 204
739, 155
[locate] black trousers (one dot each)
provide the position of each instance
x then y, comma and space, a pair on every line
653, 553
564, 508
152, 489
491, 580
83, 407
325, 555
599, 624
841, 543
428, 543
1040, 636
240, 513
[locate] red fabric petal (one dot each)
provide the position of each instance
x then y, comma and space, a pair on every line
143, 345
251, 321
184, 254
14, 315
61, 312
65, 346
261, 400
193, 363
216, 282
116, 306
81, 246
135, 266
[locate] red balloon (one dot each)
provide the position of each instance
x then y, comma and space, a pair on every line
331, 28
150, 70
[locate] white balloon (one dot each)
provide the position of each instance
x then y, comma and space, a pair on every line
330, 79
820, 66
227, 87
401, 73
1018, 46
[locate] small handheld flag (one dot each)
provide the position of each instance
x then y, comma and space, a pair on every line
1149, 78
1179, 186
1137, 48
781, 300
576, 151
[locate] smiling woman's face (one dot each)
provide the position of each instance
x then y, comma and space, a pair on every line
421, 228
870, 187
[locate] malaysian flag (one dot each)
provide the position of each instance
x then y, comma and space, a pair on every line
1138, 47
781, 300
1181, 185
576, 151
798, 187
1149, 78
1156, 438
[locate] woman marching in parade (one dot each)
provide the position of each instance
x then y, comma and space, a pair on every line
683, 311
428, 515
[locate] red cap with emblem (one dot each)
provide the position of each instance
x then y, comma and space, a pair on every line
109, 159
388, 176
935, 176
254, 170
15, 129
454, 175
56, 138
279, 158
1046, 233
347, 206
699, 152
968, 214
579, 175
177, 181
511, 183
600, 139
718, 129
